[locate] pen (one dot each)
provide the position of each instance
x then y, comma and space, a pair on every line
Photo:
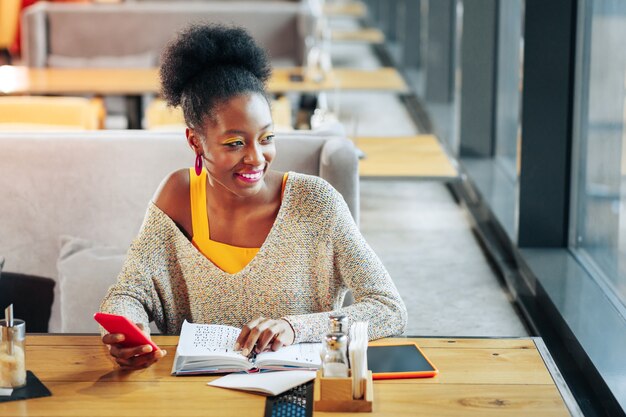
250, 355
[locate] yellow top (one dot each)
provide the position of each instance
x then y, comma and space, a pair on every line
228, 258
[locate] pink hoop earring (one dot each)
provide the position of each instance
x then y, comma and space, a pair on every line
198, 164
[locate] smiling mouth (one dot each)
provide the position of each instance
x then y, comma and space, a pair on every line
250, 177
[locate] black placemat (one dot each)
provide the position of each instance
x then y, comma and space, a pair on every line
34, 388
297, 402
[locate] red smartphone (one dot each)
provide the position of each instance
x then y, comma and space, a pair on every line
134, 336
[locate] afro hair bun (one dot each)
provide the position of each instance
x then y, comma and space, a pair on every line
203, 48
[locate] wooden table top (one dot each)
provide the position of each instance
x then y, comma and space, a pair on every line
369, 35
419, 156
352, 9
477, 377
16, 80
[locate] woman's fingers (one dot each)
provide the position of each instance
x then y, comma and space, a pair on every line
268, 335
243, 336
128, 352
253, 335
136, 357
284, 335
277, 343
243, 340
263, 334
141, 361
275, 336
112, 338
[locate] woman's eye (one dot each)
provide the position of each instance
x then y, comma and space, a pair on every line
234, 144
267, 139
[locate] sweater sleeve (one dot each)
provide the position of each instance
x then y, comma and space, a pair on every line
135, 295
377, 300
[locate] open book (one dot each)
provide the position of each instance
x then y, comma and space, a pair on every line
208, 348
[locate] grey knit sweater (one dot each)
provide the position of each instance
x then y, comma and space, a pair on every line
313, 254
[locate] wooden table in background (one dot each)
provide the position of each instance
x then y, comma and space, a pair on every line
368, 35
404, 156
477, 377
15, 80
349, 9
135, 82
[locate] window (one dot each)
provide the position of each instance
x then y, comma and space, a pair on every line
509, 85
598, 229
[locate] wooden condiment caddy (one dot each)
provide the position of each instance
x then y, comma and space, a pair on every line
335, 394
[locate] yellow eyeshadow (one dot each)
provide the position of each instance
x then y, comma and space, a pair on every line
267, 134
232, 140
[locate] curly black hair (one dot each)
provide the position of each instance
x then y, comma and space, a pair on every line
207, 64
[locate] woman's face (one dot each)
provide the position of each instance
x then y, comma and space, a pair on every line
238, 145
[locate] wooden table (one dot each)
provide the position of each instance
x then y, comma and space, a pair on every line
419, 156
134, 82
161, 117
368, 35
15, 80
478, 377
350, 9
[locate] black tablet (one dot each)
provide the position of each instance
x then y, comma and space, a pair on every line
403, 360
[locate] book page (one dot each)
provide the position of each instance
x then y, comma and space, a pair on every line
206, 339
302, 354
271, 383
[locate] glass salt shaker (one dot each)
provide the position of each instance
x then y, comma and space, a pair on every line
335, 360
338, 323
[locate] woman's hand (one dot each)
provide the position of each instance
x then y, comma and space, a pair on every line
131, 358
264, 334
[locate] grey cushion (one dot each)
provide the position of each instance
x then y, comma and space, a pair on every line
86, 270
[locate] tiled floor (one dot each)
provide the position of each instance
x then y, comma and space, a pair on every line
425, 240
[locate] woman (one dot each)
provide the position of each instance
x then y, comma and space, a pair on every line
231, 241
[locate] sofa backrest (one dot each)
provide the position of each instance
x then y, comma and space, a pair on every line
133, 34
96, 185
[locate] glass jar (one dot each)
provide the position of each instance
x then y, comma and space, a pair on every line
12, 361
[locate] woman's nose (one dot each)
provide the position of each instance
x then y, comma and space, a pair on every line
254, 155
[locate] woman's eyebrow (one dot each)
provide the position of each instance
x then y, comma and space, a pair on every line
234, 132
242, 132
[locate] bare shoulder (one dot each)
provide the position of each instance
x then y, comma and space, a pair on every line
172, 197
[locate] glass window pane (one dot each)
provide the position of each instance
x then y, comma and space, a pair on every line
509, 84
600, 179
